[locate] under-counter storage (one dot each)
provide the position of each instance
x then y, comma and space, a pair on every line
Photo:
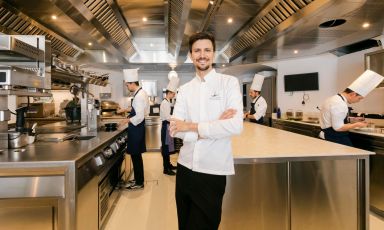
295, 127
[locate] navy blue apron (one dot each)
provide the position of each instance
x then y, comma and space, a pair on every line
136, 134
338, 137
164, 130
253, 111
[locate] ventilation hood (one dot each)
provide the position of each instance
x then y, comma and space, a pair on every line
147, 31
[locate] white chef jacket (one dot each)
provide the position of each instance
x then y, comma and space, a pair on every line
202, 102
333, 112
260, 107
165, 110
141, 105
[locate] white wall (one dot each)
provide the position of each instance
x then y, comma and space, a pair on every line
335, 74
325, 65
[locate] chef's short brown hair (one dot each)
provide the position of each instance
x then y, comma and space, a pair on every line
201, 36
348, 90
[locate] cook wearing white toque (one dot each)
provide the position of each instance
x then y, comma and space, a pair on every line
366, 82
173, 84
258, 105
166, 109
131, 75
334, 112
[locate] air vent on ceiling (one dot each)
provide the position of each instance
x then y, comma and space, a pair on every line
14, 22
270, 17
106, 16
355, 47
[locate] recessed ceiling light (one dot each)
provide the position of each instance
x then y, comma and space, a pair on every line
223, 65
151, 45
366, 25
211, 2
54, 17
230, 20
145, 19
90, 43
295, 51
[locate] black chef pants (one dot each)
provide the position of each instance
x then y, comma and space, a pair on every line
199, 197
138, 169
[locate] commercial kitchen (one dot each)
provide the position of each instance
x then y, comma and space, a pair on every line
62, 152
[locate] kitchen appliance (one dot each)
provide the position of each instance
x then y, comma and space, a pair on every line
101, 174
109, 108
93, 116
73, 114
20, 119
23, 61
40, 109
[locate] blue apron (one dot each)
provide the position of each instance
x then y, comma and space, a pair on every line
165, 148
136, 134
338, 137
253, 111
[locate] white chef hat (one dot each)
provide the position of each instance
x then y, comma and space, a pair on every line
366, 82
131, 75
257, 82
173, 84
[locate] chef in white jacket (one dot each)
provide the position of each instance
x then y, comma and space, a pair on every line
136, 126
334, 112
167, 145
258, 105
208, 112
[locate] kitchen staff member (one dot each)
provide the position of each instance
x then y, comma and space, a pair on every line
208, 112
167, 144
334, 111
136, 126
258, 105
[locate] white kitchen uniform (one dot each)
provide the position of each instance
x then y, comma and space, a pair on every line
141, 105
260, 107
165, 110
333, 112
203, 102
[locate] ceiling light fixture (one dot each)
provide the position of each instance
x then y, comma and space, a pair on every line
295, 51
366, 25
54, 17
145, 19
230, 20
172, 73
211, 2
151, 45
90, 43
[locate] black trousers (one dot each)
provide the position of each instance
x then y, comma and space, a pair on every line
199, 197
138, 169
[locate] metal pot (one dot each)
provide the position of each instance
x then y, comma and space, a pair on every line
18, 140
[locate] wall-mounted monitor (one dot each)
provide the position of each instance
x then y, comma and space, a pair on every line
301, 82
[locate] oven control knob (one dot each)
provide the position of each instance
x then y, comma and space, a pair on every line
107, 152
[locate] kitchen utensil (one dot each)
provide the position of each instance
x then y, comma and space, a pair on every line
110, 127
18, 140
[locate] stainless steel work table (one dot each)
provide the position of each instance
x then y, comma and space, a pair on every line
290, 181
41, 178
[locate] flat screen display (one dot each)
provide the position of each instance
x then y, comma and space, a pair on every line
301, 82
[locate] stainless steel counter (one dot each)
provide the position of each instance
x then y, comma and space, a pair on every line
288, 181
39, 183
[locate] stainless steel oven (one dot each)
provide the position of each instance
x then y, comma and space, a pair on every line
97, 180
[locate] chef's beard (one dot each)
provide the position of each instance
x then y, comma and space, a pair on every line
202, 68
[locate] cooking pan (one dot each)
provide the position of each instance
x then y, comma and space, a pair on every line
109, 127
